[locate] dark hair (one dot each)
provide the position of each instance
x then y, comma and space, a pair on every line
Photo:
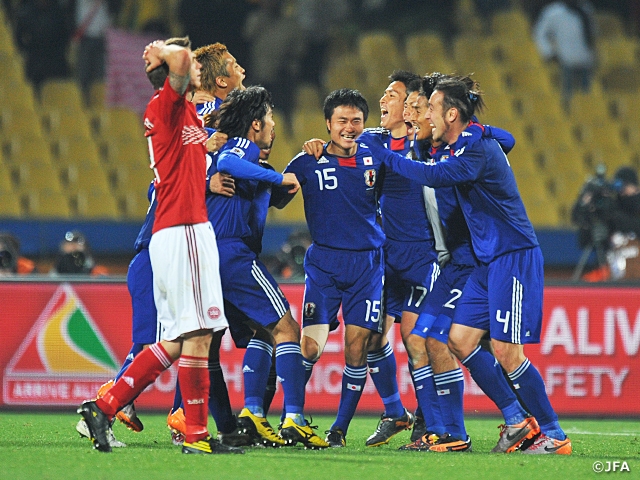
458, 95
159, 75
241, 108
428, 83
345, 97
410, 80
626, 176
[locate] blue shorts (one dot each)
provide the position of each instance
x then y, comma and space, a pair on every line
353, 279
247, 284
439, 308
145, 326
504, 297
410, 272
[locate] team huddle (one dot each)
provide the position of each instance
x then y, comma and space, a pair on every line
417, 222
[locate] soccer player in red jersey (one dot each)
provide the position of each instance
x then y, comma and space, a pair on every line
183, 252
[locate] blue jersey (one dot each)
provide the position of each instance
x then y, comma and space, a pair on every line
341, 198
457, 236
266, 195
486, 189
144, 236
230, 216
404, 216
206, 108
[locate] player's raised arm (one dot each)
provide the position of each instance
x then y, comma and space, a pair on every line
178, 59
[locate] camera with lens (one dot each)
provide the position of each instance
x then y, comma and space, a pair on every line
8, 254
593, 211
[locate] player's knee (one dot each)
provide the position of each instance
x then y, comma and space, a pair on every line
314, 339
416, 348
509, 355
460, 346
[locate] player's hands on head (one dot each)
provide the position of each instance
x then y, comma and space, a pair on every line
216, 141
151, 55
313, 147
291, 179
222, 184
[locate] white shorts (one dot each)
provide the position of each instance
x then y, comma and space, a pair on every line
186, 280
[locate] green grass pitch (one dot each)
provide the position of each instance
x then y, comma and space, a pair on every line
46, 446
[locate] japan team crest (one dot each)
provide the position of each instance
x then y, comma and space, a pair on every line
309, 309
370, 177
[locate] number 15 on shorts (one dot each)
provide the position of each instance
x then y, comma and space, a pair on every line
373, 311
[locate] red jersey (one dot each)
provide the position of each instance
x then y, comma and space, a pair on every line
176, 138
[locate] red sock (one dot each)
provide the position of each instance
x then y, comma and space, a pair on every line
193, 376
143, 371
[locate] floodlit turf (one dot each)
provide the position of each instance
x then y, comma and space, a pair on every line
46, 446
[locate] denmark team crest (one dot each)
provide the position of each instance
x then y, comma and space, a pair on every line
370, 177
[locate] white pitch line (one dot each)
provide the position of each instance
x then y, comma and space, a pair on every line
610, 434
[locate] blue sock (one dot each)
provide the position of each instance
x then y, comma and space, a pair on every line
487, 373
177, 398
353, 380
255, 371
383, 371
290, 371
450, 390
427, 396
527, 381
418, 410
219, 405
135, 350
308, 369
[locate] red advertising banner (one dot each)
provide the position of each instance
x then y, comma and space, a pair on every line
61, 341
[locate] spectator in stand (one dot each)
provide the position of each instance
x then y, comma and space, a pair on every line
93, 18
43, 31
565, 32
318, 20
74, 257
276, 50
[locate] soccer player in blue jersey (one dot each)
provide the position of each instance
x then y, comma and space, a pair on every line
410, 256
257, 341
246, 117
448, 432
503, 295
220, 75
345, 264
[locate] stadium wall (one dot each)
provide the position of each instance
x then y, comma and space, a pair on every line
41, 238
62, 340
